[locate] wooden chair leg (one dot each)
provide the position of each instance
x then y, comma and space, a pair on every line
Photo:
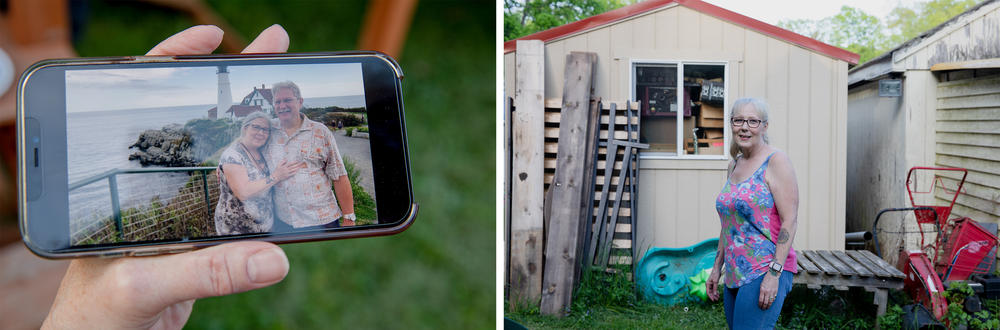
385, 26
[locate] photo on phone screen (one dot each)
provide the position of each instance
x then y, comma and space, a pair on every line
168, 153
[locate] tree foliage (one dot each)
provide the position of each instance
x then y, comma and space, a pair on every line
868, 36
524, 17
911, 22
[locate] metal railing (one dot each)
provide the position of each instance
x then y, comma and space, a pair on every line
112, 177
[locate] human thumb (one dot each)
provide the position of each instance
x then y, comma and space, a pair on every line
216, 271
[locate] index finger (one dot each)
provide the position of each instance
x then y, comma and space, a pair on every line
273, 39
195, 40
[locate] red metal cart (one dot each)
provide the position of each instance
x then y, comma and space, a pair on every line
961, 246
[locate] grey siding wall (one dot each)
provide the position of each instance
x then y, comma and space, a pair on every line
875, 159
968, 135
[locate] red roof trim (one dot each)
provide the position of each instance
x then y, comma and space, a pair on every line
701, 6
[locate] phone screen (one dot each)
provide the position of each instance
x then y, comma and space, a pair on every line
186, 152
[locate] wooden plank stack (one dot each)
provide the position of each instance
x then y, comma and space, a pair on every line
546, 243
622, 252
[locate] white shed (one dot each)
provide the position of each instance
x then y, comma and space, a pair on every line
663, 52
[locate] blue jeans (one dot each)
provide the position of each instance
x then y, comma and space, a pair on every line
742, 310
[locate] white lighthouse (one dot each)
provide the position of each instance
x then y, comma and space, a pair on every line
225, 94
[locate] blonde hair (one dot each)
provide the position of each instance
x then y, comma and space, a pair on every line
761, 108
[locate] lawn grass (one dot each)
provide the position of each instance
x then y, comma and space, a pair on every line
440, 272
804, 308
642, 316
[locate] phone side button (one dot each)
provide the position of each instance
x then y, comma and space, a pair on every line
143, 253
112, 254
179, 250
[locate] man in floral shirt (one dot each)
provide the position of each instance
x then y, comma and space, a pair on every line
305, 199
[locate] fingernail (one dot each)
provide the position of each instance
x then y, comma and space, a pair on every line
267, 265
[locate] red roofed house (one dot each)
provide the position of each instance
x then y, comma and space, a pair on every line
663, 53
260, 99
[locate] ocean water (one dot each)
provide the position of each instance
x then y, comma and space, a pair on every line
349, 101
99, 141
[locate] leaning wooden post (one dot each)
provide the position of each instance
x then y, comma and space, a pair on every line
567, 186
590, 174
526, 229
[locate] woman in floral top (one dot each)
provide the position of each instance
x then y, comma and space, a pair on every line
245, 181
758, 208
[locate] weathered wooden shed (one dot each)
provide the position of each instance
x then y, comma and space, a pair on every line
668, 53
947, 115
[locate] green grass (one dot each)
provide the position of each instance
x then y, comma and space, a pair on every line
601, 302
440, 272
364, 205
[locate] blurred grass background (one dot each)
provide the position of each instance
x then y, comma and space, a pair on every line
440, 272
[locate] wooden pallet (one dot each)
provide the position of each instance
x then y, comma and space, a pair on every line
844, 269
622, 251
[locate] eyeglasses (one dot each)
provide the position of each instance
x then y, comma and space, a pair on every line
753, 123
285, 100
256, 128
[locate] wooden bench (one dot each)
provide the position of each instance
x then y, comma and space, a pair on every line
844, 269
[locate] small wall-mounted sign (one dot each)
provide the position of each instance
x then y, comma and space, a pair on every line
890, 88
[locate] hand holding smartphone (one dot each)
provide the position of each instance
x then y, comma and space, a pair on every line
160, 291
152, 155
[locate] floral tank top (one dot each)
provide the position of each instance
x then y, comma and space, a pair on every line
750, 224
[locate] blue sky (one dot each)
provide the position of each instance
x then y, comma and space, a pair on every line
117, 89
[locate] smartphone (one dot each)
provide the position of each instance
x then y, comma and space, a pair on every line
148, 155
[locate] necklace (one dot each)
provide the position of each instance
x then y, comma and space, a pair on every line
259, 163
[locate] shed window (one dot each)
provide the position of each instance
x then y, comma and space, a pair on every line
681, 101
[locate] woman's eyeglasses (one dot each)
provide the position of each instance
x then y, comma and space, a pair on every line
753, 123
255, 128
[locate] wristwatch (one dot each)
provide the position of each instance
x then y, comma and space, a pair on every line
776, 267
350, 216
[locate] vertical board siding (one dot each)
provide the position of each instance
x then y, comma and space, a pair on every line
800, 86
733, 39
799, 112
839, 177
688, 34
711, 33
819, 209
755, 68
777, 91
967, 129
667, 25
621, 38
644, 32
555, 65
710, 226
599, 42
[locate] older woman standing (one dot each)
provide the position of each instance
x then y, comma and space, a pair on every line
758, 208
245, 198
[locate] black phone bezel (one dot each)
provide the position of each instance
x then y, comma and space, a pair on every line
41, 100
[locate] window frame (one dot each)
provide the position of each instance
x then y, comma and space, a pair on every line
680, 63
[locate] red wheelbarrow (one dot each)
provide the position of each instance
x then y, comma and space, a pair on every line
961, 247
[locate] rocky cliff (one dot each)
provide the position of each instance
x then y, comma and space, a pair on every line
170, 146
